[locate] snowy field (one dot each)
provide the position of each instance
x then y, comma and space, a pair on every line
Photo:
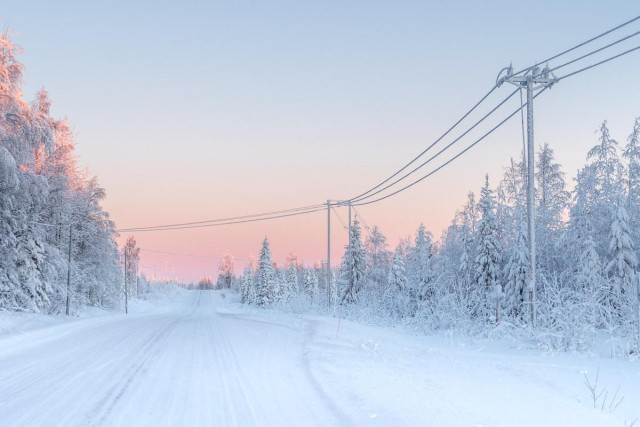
198, 358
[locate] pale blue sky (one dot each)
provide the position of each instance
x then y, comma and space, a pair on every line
196, 110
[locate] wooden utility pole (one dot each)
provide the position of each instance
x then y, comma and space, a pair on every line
126, 288
69, 267
137, 262
329, 253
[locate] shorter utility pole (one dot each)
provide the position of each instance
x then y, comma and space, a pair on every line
136, 279
69, 267
126, 296
329, 253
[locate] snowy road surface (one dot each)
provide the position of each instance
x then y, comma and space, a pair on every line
203, 361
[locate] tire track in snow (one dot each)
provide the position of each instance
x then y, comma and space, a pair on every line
133, 372
307, 334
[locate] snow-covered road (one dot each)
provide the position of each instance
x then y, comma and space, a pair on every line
186, 366
200, 359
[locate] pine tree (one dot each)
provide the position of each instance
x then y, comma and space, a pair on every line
292, 278
487, 262
632, 154
265, 276
421, 272
247, 294
333, 290
353, 267
469, 223
588, 268
517, 273
622, 266
378, 258
396, 296
311, 284
552, 200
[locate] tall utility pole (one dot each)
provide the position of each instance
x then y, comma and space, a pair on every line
69, 267
532, 80
329, 253
126, 301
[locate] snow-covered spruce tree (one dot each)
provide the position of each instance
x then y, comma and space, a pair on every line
632, 154
552, 200
469, 223
292, 278
516, 273
511, 197
420, 272
265, 276
587, 268
333, 290
622, 266
311, 284
378, 259
353, 267
488, 257
396, 296
247, 284
602, 184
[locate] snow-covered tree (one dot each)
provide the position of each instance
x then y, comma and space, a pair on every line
552, 201
333, 290
488, 256
622, 266
311, 283
396, 295
378, 258
517, 274
248, 293
225, 272
353, 267
292, 278
43, 193
420, 271
265, 276
632, 154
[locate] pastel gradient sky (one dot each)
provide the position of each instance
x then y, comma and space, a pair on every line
196, 110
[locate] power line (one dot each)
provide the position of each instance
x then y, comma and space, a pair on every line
450, 160
439, 152
142, 229
344, 225
360, 196
595, 51
222, 219
430, 146
188, 255
366, 226
598, 63
579, 45
371, 192
494, 128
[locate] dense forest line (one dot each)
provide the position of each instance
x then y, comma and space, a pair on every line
474, 279
46, 199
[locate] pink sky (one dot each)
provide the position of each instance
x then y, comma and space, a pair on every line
201, 111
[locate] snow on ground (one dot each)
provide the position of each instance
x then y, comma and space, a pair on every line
200, 358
